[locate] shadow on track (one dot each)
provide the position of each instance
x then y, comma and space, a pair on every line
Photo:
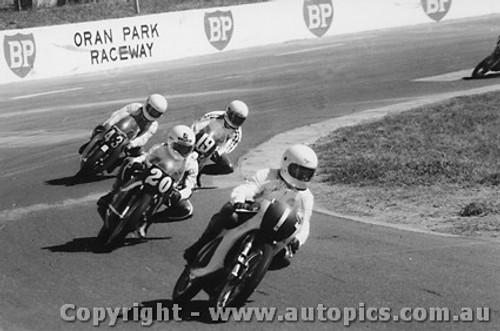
75, 180
91, 245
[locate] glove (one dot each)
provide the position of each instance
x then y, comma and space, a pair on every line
131, 169
175, 197
294, 245
100, 128
242, 205
97, 130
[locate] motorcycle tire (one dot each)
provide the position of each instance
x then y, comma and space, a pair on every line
103, 235
236, 292
482, 68
130, 221
90, 167
185, 288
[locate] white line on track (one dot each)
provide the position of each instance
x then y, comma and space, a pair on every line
17, 213
448, 77
27, 96
125, 101
308, 50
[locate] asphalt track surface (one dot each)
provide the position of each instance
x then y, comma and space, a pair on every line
47, 227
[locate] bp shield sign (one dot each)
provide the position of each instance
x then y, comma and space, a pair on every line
20, 53
318, 16
219, 27
436, 9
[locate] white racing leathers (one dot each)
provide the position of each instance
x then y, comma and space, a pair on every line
268, 184
182, 170
148, 129
227, 138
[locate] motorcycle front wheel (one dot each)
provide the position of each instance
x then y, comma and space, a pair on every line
237, 290
186, 287
137, 211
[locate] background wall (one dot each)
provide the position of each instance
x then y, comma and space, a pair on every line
86, 47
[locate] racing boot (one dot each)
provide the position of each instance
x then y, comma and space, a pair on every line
142, 229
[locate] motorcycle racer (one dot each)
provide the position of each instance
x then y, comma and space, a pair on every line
146, 116
177, 158
289, 184
229, 121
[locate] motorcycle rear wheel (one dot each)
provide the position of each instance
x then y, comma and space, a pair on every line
236, 291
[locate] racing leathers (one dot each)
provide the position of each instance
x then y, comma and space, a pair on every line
266, 184
183, 172
147, 128
226, 138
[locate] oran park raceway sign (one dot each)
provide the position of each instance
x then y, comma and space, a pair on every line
114, 45
436, 9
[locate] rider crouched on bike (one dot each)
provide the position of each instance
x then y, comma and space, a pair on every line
177, 158
289, 184
231, 120
146, 116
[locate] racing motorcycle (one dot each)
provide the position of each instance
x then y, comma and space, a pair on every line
490, 63
105, 149
136, 201
207, 141
231, 266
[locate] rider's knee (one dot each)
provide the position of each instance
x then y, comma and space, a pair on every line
225, 218
185, 209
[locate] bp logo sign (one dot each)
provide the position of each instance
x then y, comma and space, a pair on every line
436, 9
219, 28
318, 16
20, 53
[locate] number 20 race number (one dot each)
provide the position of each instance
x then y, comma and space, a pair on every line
155, 179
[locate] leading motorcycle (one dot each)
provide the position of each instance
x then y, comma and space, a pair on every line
231, 266
105, 149
135, 202
490, 63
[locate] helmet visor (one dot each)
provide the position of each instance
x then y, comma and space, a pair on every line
153, 112
301, 173
182, 149
235, 119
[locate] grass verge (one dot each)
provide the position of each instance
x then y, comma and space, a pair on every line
435, 168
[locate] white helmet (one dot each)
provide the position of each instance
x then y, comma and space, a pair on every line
298, 165
181, 140
236, 113
155, 106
